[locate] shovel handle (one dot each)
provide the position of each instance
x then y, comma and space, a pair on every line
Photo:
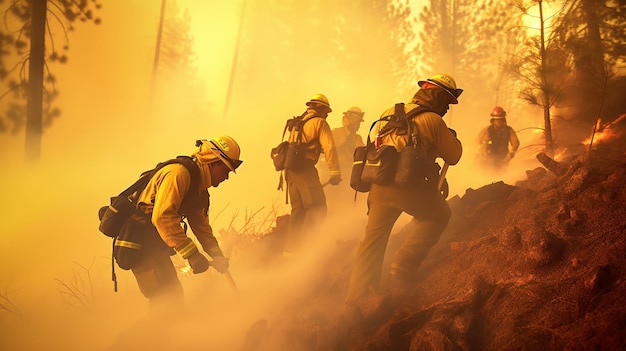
229, 277
231, 281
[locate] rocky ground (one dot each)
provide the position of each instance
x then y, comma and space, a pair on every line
536, 265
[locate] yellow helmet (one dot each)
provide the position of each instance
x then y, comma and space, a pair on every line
227, 150
446, 82
353, 115
319, 99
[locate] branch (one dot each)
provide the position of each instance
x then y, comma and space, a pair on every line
7, 305
49, 30
76, 291
222, 211
8, 91
595, 126
80, 8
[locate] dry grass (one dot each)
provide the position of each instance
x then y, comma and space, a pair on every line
78, 291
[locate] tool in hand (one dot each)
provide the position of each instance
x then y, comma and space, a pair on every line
442, 176
230, 279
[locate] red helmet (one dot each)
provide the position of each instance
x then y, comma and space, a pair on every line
498, 112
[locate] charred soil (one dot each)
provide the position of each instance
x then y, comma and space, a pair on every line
536, 265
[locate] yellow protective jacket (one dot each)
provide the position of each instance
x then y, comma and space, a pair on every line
432, 133
345, 143
317, 129
163, 200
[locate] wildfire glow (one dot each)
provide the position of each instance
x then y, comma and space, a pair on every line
560, 154
606, 133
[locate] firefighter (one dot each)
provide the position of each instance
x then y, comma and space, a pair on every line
346, 137
498, 142
162, 203
306, 194
421, 199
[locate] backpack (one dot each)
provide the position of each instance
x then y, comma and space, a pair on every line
127, 243
382, 164
290, 155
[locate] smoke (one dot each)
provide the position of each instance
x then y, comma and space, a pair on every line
55, 283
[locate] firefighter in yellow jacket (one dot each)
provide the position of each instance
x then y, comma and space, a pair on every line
163, 205
421, 199
346, 137
306, 194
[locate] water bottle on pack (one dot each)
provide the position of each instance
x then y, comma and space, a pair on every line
378, 140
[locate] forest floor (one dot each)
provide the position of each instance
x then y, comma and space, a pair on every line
535, 265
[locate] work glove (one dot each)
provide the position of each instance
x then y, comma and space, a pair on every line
452, 131
335, 180
220, 263
511, 154
198, 262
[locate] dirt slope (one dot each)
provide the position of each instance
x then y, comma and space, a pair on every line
536, 265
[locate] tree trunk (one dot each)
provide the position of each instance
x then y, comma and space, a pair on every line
447, 44
157, 56
544, 86
233, 67
591, 63
34, 119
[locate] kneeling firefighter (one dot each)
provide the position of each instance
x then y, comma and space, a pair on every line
420, 198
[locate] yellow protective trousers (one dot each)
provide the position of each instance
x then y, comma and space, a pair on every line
386, 203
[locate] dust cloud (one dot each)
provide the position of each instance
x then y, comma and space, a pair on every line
56, 291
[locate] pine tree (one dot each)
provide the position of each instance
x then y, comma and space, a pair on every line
26, 39
177, 93
469, 40
590, 37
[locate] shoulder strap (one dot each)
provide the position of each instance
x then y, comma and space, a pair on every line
395, 121
145, 177
412, 114
297, 121
291, 122
399, 119
369, 138
300, 128
416, 111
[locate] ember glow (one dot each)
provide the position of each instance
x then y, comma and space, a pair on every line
606, 133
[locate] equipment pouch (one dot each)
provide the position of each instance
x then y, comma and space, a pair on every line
127, 245
359, 159
380, 165
412, 168
279, 155
112, 217
295, 159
